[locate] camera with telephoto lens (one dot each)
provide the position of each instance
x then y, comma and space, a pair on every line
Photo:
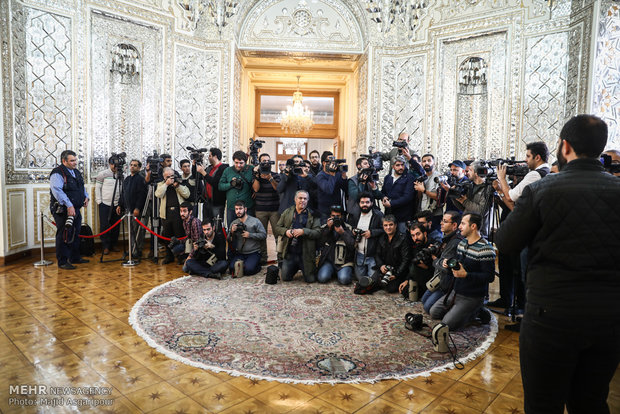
374, 158
368, 174
255, 146
236, 182
265, 167
197, 154
400, 145
445, 178
359, 234
426, 254
461, 189
517, 170
69, 222
154, 162
388, 274
454, 264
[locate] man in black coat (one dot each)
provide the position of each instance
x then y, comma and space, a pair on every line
392, 257
208, 257
570, 334
367, 228
215, 198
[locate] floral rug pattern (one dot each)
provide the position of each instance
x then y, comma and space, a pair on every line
294, 332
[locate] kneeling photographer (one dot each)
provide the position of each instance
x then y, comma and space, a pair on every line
208, 257
193, 232
392, 258
338, 250
441, 281
365, 181
479, 196
421, 268
244, 239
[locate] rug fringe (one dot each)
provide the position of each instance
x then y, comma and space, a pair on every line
133, 321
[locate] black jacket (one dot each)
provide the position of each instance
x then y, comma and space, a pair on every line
448, 251
328, 240
134, 193
571, 222
219, 197
375, 227
396, 253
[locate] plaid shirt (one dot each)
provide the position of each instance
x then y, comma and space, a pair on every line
193, 228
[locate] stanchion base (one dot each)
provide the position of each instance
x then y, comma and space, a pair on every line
130, 263
43, 263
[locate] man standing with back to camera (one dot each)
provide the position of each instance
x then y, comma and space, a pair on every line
570, 334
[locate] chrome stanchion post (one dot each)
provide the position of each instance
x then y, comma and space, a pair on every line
42, 262
129, 262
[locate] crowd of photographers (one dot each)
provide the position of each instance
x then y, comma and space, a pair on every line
419, 232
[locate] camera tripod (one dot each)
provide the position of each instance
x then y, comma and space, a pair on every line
149, 211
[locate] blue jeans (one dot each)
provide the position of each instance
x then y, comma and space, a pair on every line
429, 298
251, 263
291, 264
364, 266
345, 274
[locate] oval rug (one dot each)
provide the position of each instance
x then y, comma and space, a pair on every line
294, 332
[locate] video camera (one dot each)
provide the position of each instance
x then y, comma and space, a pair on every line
197, 154
461, 189
610, 166
337, 165
255, 146
154, 162
292, 168
118, 160
370, 174
265, 167
374, 158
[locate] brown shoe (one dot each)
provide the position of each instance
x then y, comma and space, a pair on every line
106, 251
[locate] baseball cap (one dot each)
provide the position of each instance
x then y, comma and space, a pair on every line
457, 163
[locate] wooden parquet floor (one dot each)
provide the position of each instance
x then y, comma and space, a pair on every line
61, 328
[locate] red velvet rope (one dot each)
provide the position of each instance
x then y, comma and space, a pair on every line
97, 235
155, 234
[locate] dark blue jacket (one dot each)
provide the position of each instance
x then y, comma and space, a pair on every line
288, 186
401, 195
329, 191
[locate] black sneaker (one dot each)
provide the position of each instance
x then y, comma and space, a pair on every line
484, 316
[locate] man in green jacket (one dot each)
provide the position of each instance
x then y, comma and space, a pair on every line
236, 181
298, 231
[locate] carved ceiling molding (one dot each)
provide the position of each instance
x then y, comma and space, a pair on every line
298, 25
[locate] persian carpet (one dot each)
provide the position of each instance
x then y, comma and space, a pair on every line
294, 332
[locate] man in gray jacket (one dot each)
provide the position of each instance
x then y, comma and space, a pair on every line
244, 240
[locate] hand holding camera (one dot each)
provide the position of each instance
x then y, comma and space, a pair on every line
236, 182
457, 269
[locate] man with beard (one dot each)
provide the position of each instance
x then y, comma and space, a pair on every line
244, 239
398, 194
187, 180
215, 199
210, 259
360, 183
428, 191
392, 258
368, 221
315, 162
421, 269
457, 171
479, 199
570, 335
193, 232
338, 249
476, 269
331, 185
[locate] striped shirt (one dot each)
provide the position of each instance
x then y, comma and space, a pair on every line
478, 259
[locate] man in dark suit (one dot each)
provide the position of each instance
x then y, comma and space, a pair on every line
215, 198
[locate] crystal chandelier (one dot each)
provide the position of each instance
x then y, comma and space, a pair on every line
385, 12
297, 118
220, 10
125, 61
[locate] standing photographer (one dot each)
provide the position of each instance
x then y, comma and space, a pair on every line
107, 195
338, 250
362, 182
132, 201
172, 195
244, 239
457, 178
398, 194
208, 257
479, 199
236, 181
216, 199
428, 190
294, 178
315, 162
331, 183
166, 162
569, 343
186, 178
265, 186
367, 230
67, 197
